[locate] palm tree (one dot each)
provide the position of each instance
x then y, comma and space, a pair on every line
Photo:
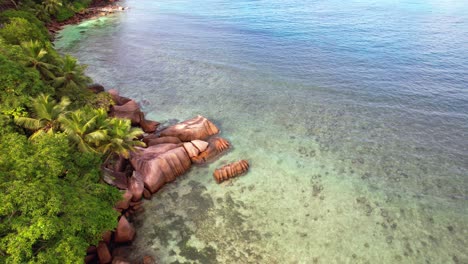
35, 55
121, 138
71, 79
86, 128
47, 113
52, 6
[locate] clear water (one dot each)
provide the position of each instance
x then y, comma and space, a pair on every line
353, 114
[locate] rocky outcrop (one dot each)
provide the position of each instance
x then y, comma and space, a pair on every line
129, 110
231, 170
103, 253
154, 140
196, 128
125, 202
148, 126
216, 146
115, 178
136, 186
160, 164
118, 100
125, 231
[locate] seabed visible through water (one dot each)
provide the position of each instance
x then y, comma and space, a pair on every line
337, 176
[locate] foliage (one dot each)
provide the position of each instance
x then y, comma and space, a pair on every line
52, 6
71, 80
19, 30
30, 17
37, 59
52, 204
64, 13
46, 115
17, 84
92, 131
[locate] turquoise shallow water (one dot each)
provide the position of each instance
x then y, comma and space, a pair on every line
353, 115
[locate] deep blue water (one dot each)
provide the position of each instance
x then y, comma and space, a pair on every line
354, 115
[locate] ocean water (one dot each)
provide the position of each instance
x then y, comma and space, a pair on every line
353, 115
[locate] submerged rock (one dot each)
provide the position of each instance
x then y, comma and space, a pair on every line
231, 170
196, 128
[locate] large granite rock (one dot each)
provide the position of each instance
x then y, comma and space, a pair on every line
136, 186
216, 146
148, 126
130, 110
151, 141
125, 231
115, 178
160, 164
196, 128
118, 100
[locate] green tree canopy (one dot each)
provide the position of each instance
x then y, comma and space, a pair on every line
53, 206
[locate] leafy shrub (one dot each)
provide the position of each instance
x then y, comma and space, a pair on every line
31, 18
18, 84
52, 199
19, 30
64, 13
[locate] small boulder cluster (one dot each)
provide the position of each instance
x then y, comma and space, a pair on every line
169, 153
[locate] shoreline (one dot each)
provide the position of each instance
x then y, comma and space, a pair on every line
169, 154
95, 10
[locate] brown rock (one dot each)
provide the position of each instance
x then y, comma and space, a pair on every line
200, 144
231, 170
90, 258
161, 140
91, 250
148, 260
148, 126
115, 178
106, 237
125, 202
136, 186
125, 231
160, 164
119, 100
120, 260
104, 255
216, 146
120, 164
129, 110
146, 194
196, 128
192, 151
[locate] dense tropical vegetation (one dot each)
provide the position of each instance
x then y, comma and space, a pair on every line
54, 135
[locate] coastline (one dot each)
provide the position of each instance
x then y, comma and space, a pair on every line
96, 9
169, 153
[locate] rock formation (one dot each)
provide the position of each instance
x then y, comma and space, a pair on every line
216, 146
231, 170
125, 231
136, 186
196, 128
129, 110
160, 164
